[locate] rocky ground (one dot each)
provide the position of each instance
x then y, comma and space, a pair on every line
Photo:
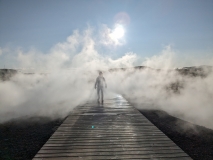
22, 139
195, 140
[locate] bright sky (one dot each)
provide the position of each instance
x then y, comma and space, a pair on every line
149, 25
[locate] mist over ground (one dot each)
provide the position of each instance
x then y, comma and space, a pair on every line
64, 78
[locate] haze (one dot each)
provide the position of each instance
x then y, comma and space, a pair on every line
64, 44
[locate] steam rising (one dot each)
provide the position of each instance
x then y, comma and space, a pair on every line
64, 78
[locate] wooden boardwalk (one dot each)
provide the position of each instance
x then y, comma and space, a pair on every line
114, 130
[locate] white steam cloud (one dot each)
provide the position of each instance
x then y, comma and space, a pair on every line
69, 71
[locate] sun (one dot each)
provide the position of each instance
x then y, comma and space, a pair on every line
116, 35
118, 32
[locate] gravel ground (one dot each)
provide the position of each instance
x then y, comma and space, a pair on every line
22, 139
195, 140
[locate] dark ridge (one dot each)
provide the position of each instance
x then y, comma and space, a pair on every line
202, 71
6, 74
195, 71
130, 68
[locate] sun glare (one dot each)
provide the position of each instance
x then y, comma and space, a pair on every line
118, 32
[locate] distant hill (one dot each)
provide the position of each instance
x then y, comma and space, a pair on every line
5, 74
194, 71
130, 68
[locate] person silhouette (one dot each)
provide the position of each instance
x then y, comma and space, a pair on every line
99, 84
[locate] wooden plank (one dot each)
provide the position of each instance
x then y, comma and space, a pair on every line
114, 156
111, 157
142, 154
64, 141
159, 143
162, 149
109, 137
135, 146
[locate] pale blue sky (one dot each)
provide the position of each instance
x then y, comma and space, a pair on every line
186, 24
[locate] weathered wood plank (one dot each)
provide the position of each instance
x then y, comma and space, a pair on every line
144, 154
161, 149
113, 155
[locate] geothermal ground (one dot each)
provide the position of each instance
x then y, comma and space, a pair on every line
22, 139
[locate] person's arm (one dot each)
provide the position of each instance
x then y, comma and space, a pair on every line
105, 83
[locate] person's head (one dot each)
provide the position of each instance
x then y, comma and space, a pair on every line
100, 73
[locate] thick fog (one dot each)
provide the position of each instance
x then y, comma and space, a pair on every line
151, 89
64, 78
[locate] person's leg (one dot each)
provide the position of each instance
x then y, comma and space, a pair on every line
98, 92
102, 95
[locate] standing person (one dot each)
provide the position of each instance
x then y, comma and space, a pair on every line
99, 84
